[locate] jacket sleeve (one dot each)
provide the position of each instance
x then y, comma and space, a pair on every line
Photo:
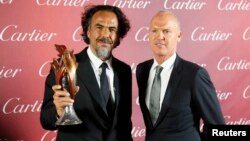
48, 115
205, 98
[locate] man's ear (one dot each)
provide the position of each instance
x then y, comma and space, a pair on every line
88, 33
179, 37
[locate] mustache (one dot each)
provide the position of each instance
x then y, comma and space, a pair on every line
105, 40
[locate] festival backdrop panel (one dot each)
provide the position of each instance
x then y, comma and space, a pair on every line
215, 35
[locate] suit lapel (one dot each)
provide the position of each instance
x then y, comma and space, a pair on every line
174, 81
144, 74
116, 94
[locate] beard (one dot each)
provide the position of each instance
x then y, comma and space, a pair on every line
103, 53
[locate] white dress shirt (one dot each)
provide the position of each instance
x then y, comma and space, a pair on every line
96, 63
165, 75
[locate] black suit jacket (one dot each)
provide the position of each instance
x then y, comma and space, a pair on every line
96, 125
189, 97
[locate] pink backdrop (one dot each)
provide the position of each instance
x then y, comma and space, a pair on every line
216, 35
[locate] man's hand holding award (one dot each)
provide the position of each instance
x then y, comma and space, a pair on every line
65, 75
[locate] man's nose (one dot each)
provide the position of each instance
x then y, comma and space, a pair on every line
160, 35
105, 32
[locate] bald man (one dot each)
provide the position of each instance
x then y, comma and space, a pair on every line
174, 94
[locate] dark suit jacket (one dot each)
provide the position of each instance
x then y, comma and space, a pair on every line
96, 125
190, 96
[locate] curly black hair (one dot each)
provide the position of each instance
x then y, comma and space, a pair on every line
123, 22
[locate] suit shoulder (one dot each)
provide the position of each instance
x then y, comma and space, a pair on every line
192, 68
120, 62
144, 63
190, 65
81, 54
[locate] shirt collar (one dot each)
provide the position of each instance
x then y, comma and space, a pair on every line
97, 61
167, 64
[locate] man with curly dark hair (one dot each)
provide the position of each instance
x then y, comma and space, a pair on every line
104, 108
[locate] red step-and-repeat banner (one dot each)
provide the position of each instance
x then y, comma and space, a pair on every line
216, 35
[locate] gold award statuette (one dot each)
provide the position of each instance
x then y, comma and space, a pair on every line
65, 75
